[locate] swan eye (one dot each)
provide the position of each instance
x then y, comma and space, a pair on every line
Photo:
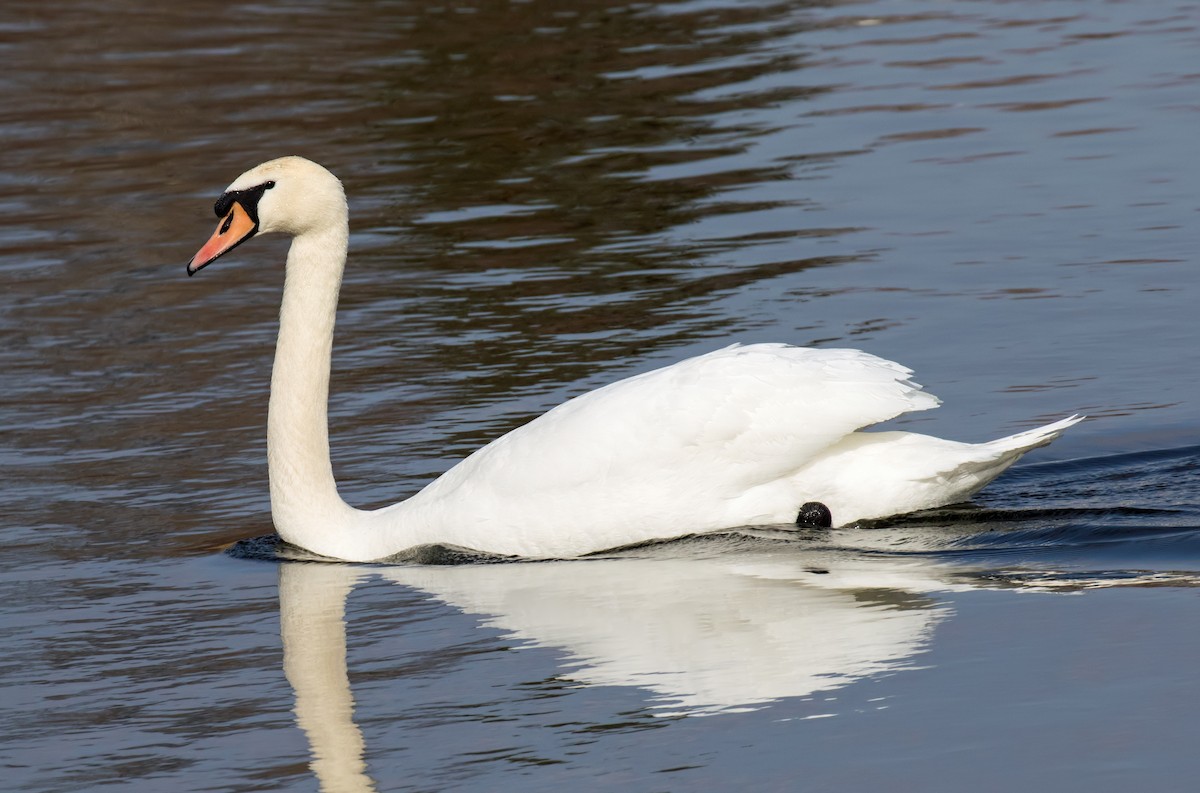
268, 185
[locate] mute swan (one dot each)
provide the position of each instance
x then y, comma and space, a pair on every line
743, 435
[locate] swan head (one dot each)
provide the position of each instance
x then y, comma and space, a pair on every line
290, 195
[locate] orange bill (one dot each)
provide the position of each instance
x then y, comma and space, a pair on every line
234, 229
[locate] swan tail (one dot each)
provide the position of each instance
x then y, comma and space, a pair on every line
1032, 439
994, 457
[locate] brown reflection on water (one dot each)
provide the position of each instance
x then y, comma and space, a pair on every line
527, 153
509, 227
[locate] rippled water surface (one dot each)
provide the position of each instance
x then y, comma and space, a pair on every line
546, 196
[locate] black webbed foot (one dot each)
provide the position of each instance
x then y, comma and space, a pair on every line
814, 515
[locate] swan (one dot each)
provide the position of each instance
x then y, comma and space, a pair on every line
740, 436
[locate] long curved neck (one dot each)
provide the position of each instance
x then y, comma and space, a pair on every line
305, 504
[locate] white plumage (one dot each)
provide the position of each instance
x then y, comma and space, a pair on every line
743, 435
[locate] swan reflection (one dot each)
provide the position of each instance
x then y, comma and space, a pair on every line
700, 636
312, 604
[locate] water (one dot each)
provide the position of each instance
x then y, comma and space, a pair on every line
545, 197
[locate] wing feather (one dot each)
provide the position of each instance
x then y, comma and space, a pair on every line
731, 419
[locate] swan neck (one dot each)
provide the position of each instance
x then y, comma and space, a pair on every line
304, 499
305, 505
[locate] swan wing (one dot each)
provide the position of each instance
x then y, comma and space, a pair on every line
668, 451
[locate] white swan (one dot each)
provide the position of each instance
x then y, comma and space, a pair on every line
740, 436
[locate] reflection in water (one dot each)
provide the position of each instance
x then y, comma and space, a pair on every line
721, 624
312, 603
704, 636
